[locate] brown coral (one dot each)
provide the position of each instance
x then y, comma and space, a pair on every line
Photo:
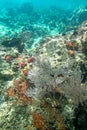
61, 125
11, 92
19, 91
38, 121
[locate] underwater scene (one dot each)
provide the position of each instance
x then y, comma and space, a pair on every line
43, 65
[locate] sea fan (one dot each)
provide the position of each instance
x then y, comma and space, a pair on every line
44, 77
73, 88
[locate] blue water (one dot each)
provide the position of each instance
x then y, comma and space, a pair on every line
65, 4
41, 17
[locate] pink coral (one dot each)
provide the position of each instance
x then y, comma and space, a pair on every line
8, 58
30, 59
21, 64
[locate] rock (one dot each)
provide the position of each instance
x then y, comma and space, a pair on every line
6, 74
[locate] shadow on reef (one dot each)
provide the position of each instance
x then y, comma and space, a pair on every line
14, 42
80, 122
84, 72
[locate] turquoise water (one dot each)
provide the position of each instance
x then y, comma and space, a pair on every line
67, 4
42, 17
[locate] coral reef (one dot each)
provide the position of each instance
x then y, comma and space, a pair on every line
43, 69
